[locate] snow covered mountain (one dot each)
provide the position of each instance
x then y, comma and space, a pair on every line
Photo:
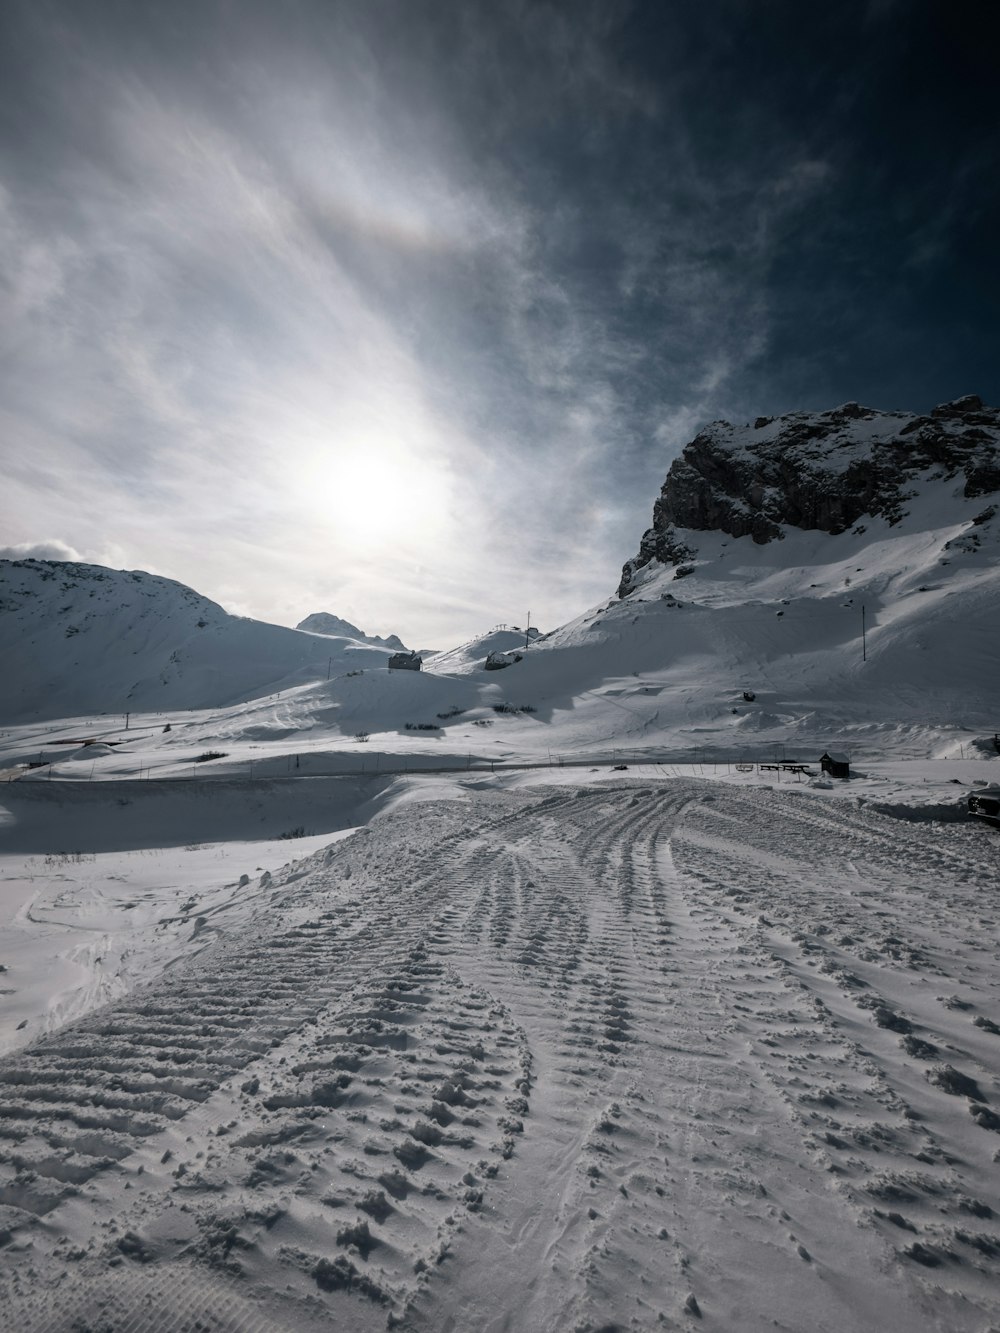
843, 566
78, 638
322, 622
819, 471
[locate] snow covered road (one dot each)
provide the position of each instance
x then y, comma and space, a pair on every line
649, 1055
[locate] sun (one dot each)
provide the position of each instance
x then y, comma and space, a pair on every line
367, 493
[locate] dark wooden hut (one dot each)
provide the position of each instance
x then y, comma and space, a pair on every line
405, 662
837, 765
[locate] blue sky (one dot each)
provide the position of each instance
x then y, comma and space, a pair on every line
401, 309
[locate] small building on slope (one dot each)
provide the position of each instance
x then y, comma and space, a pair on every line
836, 764
405, 662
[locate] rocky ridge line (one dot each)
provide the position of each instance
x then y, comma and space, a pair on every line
815, 470
322, 622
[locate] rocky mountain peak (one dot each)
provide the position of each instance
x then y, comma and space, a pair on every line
815, 470
323, 622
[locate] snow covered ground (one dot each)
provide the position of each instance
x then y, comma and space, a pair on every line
78, 929
576, 1018
621, 1050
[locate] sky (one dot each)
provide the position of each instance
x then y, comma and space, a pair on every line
400, 309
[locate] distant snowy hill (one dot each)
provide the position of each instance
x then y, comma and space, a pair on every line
473, 654
78, 638
322, 622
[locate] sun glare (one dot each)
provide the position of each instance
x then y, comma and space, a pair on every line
369, 494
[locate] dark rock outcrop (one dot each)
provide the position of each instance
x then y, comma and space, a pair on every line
823, 470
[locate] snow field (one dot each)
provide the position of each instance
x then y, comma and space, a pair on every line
631, 1055
78, 929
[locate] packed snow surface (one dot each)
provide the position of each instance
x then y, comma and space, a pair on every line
636, 1053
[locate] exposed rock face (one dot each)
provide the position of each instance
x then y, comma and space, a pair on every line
322, 622
822, 470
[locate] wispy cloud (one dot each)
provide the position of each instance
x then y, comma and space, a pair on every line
399, 310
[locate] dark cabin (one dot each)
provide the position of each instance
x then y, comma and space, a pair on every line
837, 765
405, 662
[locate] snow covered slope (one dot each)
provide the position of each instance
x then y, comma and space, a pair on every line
78, 639
470, 656
844, 567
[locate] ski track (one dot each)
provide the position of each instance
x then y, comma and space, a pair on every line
650, 1056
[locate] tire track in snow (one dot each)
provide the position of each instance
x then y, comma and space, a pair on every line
868, 956
643, 1161
572, 1046
162, 1068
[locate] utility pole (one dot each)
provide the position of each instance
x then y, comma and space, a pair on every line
526, 629
864, 641
329, 663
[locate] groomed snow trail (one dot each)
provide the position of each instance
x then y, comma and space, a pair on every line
669, 1055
